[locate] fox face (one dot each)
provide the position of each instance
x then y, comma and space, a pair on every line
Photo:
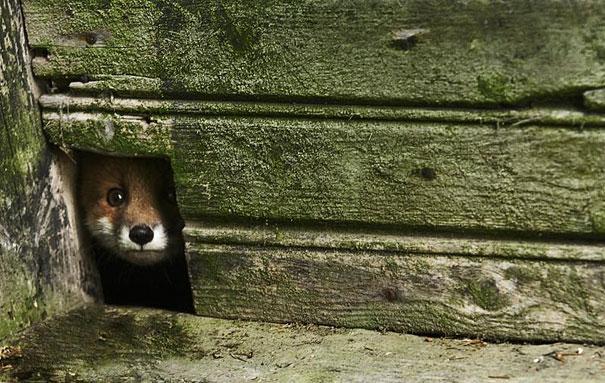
129, 207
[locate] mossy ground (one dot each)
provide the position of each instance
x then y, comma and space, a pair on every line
110, 344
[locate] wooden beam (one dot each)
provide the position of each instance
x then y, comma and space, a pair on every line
523, 178
41, 272
330, 237
414, 52
456, 287
65, 104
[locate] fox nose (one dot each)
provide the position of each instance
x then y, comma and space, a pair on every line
141, 234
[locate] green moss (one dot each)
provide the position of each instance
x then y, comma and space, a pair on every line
19, 303
335, 50
494, 117
110, 134
597, 217
493, 86
117, 331
595, 99
485, 293
279, 235
523, 275
568, 287
203, 265
22, 302
123, 85
391, 265
417, 317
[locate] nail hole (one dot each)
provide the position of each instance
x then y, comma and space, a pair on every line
390, 294
426, 173
90, 38
40, 52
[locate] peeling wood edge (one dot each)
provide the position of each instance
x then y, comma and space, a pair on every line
83, 116
595, 100
63, 104
109, 133
405, 243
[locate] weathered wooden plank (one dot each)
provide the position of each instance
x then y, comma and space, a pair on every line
441, 290
111, 133
107, 344
65, 104
329, 237
418, 52
41, 272
450, 176
595, 99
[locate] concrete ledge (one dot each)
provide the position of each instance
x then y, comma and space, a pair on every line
109, 344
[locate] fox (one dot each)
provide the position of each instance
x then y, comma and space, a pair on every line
129, 210
129, 207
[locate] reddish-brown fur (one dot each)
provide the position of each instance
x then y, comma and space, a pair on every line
148, 183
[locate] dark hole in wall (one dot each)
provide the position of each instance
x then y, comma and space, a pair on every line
129, 212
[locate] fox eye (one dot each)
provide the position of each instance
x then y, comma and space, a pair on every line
116, 197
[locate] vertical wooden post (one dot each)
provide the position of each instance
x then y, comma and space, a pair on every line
41, 271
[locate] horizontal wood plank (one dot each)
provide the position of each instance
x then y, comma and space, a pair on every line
65, 104
450, 176
413, 52
330, 237
108, 133
437, 291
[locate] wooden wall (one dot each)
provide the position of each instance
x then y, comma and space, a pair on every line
421, 166
41, 271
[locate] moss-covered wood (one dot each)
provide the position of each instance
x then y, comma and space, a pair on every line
504, 290
419, 52
595, 99
547, 116
361, 162
107, 344
40, 270
523, 177
329, 237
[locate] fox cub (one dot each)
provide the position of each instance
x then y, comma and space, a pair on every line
129, 208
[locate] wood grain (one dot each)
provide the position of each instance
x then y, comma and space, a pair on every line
414, 52
331, 237
65, 104
439, 290
41, 272
532, 179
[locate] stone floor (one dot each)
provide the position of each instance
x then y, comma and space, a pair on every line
109, 344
